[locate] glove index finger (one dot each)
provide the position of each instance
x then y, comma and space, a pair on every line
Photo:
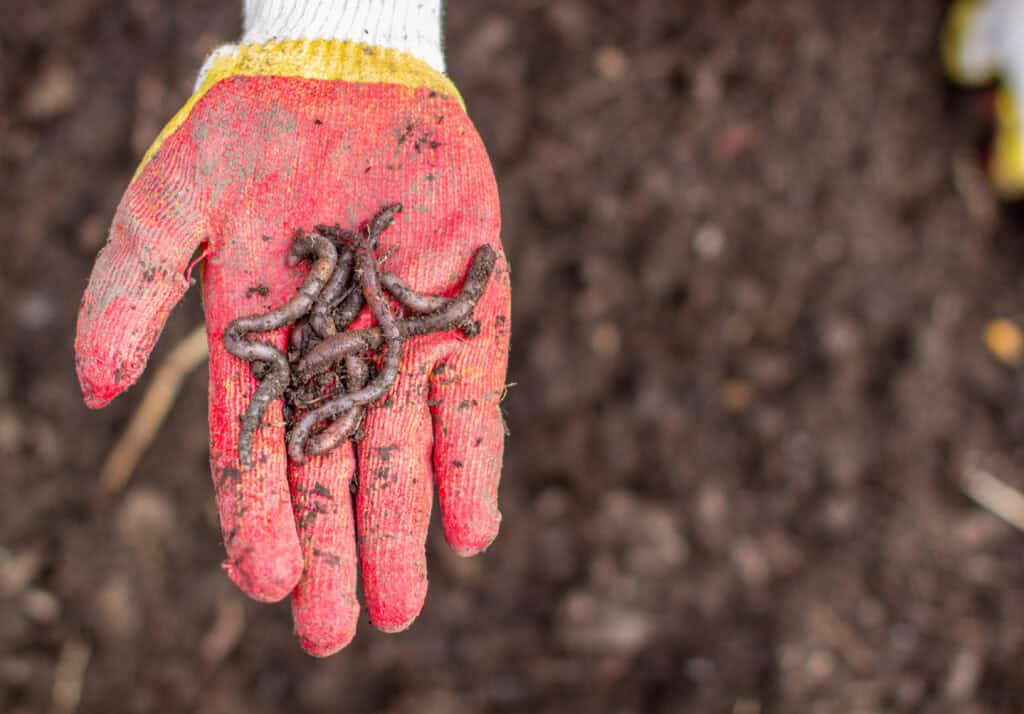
137, 279
264, 557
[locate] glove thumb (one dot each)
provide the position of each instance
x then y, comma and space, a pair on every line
138, 277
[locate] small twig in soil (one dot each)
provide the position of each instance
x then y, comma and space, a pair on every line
995, 496
160, 395
69, 676
226, 632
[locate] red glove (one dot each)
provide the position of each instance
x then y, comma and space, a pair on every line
282, 136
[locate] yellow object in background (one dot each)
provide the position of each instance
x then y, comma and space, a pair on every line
1006, 165
1005, 341
982, 44
963, 15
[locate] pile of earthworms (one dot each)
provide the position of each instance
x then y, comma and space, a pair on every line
331, 374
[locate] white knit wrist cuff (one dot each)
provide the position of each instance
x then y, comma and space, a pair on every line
412, 26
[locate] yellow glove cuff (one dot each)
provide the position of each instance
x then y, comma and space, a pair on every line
312, 59
1007, 162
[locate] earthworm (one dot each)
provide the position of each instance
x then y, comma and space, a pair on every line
357, 372
420, 303
330, 295
349, 310
315, 391
326, 258
423, 303
366, 265
340, 430
352, 304
297, 339
335, 288
276, 382
346, 425
457, 312
346, 275
381, 222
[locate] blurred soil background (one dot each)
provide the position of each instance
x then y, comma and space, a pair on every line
754, 260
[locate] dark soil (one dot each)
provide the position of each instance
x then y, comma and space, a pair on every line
754, 256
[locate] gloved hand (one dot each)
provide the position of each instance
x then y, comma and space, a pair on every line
285, 134
983, 42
